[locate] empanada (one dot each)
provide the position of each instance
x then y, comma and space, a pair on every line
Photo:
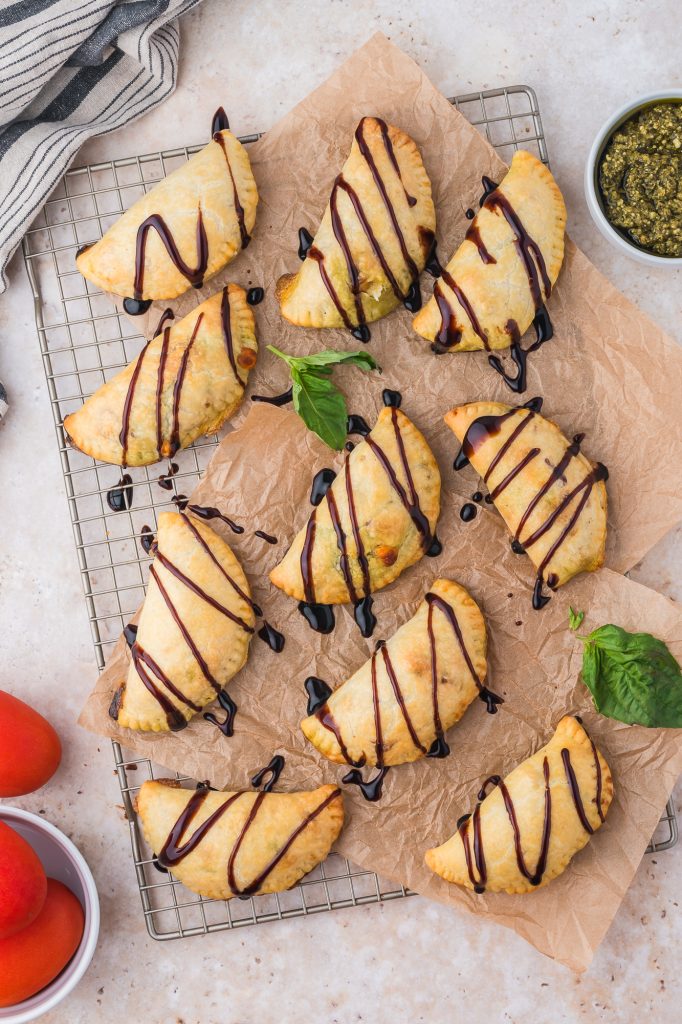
373, 240
398, 706
194, 631
524, 832
504, 270
377, 518
182, 232
552, 498
186, 382
222, 845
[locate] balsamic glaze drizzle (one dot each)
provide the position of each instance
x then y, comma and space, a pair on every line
255, 296
357, 425
283, 399
267, 537
208, 512
370, 789
273, 770
166, 317
147, 538
226, 727
305, 241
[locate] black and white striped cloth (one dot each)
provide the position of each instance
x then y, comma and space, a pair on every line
71, 69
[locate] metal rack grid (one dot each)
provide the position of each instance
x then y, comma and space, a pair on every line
84, 342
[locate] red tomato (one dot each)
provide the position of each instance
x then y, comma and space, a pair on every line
30, 750
31, 959
22, 882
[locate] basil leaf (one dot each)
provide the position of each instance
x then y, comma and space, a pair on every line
329, 357
316, 398
575, 619
321, 406
633, 678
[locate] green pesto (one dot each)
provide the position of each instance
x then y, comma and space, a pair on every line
640, 178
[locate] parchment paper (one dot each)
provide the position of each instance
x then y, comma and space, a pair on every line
609, 371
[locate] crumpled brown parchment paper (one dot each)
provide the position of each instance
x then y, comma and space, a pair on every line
609, 371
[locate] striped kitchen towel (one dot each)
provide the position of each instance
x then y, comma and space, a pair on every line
71, 69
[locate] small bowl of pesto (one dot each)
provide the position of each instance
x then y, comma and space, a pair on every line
633, 179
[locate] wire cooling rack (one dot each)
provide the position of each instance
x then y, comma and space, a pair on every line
84, 342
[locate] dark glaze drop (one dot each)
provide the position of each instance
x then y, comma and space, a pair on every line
120, 497
166, 317
158, 866
230, 708
467, 512
432, 265
319, 617
130, 634
357, 425
372, 788
238, 208
435, 548
267, 537
362, 333
477, 496
180, 501
84, 248
439, 748
365, 618
166, 481
543, 332
255, 296
283, 399
489, 187
393, 399
318, 693
322, 481
220, 122
305, 241
136, 307
469, 214
274, 769
272, 637
208, 512
147, 538
517, 548
349, 446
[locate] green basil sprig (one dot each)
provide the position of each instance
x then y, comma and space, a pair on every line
317, 400
633, 677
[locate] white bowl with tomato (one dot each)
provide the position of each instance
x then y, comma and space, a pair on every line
49, 910
62, 937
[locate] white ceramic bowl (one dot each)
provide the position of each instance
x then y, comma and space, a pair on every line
62, 861
594, 201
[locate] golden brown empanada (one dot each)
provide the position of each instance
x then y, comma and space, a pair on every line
194, 631
186, 382
397, 707
525, 831
222, 845
504, 270
373, 240
182, 232
552, 498
377, 518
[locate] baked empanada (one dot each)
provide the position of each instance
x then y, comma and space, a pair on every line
525, 831
182, 232
186, 382
194, 631
552, 498
398, 706
373, 240
504, 270
376, 519
222, 845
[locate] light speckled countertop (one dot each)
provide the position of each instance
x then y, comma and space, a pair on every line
410, 960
